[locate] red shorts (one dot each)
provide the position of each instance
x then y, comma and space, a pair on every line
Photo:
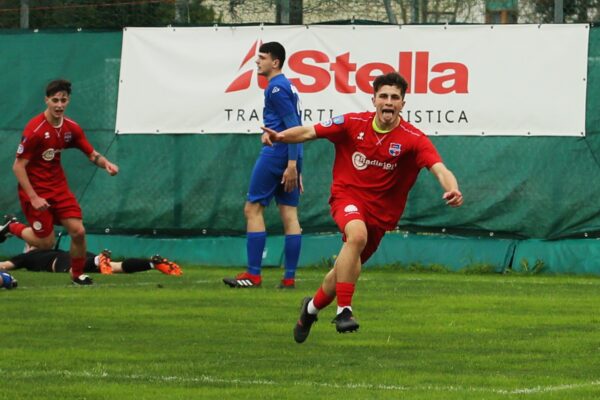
62, 205
344, 210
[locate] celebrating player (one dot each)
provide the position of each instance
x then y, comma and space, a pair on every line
44, 194
378, 156
275, 174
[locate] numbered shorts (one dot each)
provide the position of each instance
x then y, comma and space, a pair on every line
63, 205
344, 210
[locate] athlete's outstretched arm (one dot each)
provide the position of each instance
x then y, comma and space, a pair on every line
448, 182
102, 162
297, 134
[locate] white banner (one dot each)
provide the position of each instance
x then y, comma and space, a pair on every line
463, 80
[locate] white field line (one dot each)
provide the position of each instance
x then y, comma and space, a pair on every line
99, 374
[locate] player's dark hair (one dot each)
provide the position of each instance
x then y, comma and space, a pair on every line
276, 50
391, 79
58, 85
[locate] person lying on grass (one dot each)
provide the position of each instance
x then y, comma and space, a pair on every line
60, 261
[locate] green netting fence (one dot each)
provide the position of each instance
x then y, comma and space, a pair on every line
523, 187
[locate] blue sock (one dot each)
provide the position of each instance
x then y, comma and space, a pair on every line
255, 245
292, 254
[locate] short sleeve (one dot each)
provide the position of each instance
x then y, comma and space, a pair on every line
29, 144
80, 140
427, 155
333, 129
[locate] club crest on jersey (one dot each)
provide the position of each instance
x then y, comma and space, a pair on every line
395, 149
47, 135
48, 155
338, 120
68, 137
361, 136
37, 225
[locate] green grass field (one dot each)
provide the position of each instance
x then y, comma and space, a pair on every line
422, 336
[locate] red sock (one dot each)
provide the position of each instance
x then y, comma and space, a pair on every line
77, 266
322, 299
344, 291
16, 228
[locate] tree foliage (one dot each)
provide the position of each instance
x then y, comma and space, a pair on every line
105, 14
578, 11
116, 14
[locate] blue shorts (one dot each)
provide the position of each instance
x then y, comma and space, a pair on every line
265, 182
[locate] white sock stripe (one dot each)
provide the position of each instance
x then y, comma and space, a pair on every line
311, 308
340, 309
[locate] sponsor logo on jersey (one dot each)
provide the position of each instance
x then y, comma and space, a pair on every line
37, 225
48, 155
20, 149
275, 90
350, 209
68, 137
361, 136
395, 149
360, 162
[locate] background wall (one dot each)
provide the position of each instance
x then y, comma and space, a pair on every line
195, 184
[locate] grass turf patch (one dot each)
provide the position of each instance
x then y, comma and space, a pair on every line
422, 336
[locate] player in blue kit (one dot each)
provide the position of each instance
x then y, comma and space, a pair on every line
275, 174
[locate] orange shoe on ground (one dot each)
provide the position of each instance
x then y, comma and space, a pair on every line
165, 266
104, 262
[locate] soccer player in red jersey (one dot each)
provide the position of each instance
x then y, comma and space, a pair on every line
44, 194
378, 156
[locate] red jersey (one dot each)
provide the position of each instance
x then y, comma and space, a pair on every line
42, 144
379, 169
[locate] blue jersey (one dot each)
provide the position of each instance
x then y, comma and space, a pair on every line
281, 111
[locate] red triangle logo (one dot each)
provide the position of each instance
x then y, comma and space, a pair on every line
244, 80
241, 82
